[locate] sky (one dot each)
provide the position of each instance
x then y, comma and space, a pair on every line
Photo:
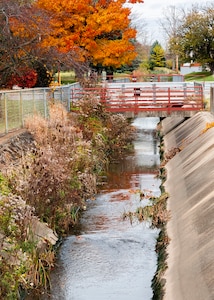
151, 11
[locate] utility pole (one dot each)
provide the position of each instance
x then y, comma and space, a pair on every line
176, 63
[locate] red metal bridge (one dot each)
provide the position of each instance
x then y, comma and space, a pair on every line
145, 100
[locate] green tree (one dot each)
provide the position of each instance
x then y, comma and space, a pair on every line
157, 56
196, 36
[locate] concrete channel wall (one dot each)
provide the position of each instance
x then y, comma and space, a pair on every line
190, 184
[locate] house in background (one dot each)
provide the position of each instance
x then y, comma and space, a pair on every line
190, 68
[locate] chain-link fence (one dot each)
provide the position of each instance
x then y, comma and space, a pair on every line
17, 105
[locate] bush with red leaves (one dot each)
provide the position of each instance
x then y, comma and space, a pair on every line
24, 78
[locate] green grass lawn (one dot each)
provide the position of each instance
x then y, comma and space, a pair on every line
199, 76
69, 76
66, 77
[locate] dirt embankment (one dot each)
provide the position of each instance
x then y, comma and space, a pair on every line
190, 182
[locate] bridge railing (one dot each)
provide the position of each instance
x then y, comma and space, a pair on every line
17, 105
153, 98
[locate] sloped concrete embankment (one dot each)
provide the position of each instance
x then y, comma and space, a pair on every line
190, 184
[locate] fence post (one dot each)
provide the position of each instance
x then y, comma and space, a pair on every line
185, 90
5, 113
154, 92
34, 105
45, 102
61, 94
69, 98
212, 100
21, 109
169, 100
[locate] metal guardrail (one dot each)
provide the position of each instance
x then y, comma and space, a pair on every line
17, 105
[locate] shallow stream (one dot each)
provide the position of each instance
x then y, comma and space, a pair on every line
111, 258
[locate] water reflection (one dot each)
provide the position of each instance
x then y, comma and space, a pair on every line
111, 258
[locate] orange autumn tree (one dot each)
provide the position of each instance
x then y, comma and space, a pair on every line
98, 31
27, 29
22, 60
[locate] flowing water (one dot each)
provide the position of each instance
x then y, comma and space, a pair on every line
111, 258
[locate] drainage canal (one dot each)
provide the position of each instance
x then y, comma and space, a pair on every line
111, 258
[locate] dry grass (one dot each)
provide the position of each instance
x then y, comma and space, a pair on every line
55, 178
156, 212
71, 151
52, 178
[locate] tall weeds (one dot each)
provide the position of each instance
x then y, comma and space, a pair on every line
54, 179
19, 251
71, 151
